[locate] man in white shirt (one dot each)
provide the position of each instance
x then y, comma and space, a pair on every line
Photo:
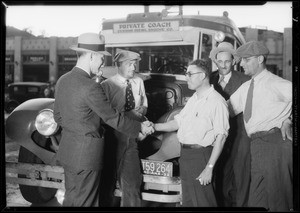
126, 93
266, 101
202, 130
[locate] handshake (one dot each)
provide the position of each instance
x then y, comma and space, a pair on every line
147, 128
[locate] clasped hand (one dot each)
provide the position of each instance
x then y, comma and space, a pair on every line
147, 128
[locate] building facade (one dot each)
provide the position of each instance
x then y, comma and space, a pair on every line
280, 46
38, 59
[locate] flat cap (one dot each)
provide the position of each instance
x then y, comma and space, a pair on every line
251, 48
123, 55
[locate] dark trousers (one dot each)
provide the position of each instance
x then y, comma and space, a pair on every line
241, 169
232, 179
129, 171
191, 163
122, 164
271, 173
82, 188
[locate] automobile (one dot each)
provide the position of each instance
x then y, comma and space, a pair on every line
19, 92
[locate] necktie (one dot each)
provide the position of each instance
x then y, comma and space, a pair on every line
222, 83
248, 107
129, 99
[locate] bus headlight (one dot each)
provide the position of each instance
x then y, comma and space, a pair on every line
44, 122
219, 36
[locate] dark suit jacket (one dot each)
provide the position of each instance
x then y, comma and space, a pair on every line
80, 105
236, 80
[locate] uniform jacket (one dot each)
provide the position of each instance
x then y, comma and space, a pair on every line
80, 107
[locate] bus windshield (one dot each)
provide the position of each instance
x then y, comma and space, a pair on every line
162, 59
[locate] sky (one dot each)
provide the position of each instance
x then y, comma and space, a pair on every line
65, 21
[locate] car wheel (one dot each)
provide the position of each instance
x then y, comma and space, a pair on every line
34, 194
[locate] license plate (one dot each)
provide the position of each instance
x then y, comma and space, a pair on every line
159, 168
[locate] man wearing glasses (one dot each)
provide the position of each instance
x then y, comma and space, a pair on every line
233, 167
266, 101
202, 130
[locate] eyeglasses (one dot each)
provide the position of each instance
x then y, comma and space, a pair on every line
190, 74
246, 60
227, 62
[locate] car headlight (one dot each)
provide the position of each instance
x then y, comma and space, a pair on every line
44, 122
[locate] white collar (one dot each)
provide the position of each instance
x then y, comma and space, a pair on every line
226, 77
123, 80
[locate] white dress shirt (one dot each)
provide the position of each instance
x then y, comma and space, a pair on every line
203, 118
226, 77
271, 104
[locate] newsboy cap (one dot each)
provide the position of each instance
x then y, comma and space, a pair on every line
251, 48
123, 55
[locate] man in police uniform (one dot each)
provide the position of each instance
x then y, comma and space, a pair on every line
80, 107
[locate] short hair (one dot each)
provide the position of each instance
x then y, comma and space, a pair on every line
204, 64
265, 58
118, 63
80, 53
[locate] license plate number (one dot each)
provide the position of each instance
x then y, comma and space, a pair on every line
159, 168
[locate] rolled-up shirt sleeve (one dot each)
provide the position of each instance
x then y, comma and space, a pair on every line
220, 119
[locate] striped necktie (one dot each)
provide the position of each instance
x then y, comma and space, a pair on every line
248, 107
129, 99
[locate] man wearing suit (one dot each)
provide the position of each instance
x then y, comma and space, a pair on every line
126, 93
80, 107
233, 169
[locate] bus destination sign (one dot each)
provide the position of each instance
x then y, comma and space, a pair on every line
155, 26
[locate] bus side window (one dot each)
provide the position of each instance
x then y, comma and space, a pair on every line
206, 46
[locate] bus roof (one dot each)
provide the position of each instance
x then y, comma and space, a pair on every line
218, 23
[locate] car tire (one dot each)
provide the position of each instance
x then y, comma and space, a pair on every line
34, 194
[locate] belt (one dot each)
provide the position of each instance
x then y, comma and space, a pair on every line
191, 146
264, 133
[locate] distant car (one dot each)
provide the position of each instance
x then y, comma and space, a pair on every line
20, 92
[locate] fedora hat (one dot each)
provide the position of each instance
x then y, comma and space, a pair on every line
222, 47
90, 42
123, 55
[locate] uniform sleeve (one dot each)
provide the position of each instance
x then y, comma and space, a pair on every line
105, 86
220, 116
98, 102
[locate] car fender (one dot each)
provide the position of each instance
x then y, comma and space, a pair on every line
20, 125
